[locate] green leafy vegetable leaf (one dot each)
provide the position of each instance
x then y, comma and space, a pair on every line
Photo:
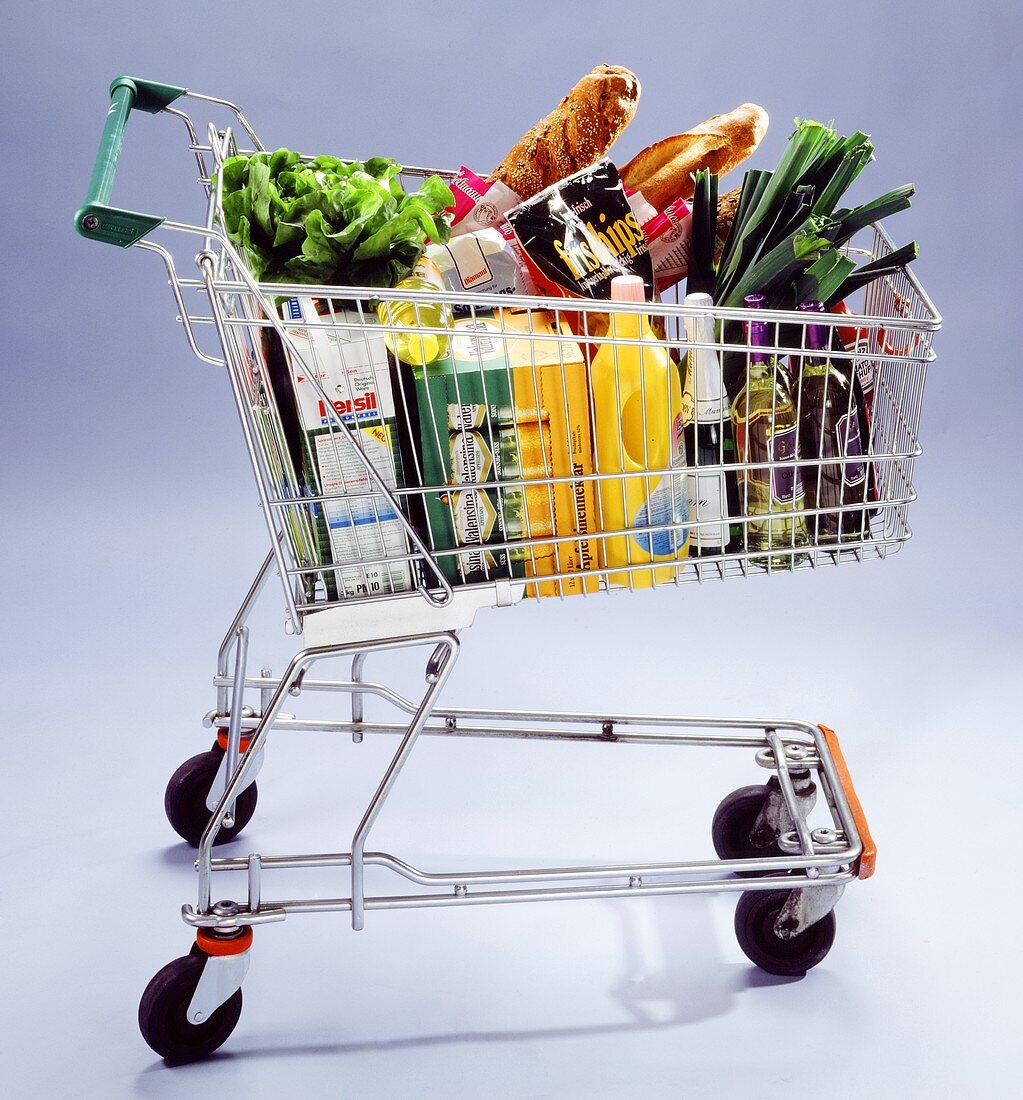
324, 220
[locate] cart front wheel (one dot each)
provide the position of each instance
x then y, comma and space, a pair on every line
755, 916
163, 1020
185, 799
733, 823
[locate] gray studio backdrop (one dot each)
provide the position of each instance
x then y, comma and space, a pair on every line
130, 520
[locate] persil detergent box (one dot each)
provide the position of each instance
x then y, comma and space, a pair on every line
345, 405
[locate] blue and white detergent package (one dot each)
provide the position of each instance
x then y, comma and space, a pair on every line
341, 380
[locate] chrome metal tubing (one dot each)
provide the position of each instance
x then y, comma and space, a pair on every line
778, 864
439, 667
222, 681
358, 663
206, 264
237, 779
292, 676
234, 728
183, 315
277, 910
791, 801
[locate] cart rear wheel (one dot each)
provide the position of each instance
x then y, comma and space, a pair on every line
185, 799
162, 1014
754, 929
733, 823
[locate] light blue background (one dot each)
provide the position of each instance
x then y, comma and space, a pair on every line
131, 529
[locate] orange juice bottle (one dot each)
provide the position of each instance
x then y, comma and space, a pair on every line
638, 428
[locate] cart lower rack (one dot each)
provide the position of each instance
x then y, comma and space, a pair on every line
400, 498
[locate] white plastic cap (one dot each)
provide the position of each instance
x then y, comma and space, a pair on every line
628, 288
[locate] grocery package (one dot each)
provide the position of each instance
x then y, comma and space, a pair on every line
551, 393
479, 203
459, 415
345, 408
581, 232
484, 262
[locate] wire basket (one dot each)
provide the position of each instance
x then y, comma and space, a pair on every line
491, 469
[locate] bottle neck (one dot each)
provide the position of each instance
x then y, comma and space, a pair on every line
761, 364
814, 364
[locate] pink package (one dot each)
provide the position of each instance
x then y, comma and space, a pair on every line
479, 203
669, 237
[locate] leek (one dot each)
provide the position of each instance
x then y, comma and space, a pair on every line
794, 253
850, 222
704, 233
891, 264
823, 277
784, 241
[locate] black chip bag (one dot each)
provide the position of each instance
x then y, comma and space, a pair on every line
580, 233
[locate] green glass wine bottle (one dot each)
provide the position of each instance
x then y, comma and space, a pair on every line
766, 431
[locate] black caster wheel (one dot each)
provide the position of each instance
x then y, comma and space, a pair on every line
185, 799
754, 929
162, 1018
733, 822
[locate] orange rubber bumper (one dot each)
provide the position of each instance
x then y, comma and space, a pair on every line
218, 945
868, 857
243, 741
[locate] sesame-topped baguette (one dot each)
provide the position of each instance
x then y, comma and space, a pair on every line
663, 171
576, 134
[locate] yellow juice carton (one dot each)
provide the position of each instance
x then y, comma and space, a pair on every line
551, 398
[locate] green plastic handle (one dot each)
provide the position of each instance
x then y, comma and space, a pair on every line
96, 219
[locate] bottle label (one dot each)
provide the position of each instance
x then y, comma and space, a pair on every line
711, 410
848, 432
667, 506
786, 481
707, 496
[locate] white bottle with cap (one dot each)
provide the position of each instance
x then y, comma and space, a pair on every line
709, 442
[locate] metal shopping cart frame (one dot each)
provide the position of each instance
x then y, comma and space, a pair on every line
789, 867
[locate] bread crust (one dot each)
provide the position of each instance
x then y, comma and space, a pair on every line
576, 134
728, 204
663, 171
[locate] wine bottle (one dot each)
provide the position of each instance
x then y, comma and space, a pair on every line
766, 431
829, 428
861, 370
713, 492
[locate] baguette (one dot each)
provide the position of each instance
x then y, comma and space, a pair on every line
577, 133
663, 171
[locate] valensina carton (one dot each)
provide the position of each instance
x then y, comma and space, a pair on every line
349, 361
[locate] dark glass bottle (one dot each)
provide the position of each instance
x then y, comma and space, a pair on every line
829, 428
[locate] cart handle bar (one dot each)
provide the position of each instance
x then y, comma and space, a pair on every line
96, 219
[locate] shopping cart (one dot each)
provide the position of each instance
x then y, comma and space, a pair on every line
379, 553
